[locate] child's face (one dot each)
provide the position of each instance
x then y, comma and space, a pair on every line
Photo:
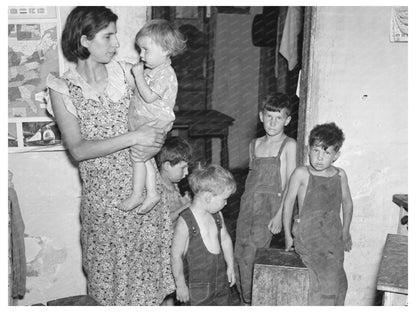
274, 122
217, 202
321, 159
177, 172
151, 53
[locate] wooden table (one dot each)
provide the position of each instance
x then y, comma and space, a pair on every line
392, 277
401, 201
206, 124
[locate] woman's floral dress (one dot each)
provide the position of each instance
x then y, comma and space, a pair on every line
125, 255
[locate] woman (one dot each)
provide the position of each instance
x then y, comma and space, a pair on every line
125, 254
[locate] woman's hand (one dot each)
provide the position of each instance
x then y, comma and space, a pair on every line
148, 141
143, 153
149, 136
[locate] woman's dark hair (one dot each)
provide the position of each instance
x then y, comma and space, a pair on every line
83, 21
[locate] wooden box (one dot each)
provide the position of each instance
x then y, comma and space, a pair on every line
280, 279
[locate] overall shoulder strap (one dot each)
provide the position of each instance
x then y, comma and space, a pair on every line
282, 147
190, 221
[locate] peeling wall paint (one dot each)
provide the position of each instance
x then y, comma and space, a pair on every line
48, 187
359, 81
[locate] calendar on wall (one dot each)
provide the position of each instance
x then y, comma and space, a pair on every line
33, 54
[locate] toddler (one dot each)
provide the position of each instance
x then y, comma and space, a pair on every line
153, 101
202, 251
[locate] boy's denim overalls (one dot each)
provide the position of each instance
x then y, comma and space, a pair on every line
205, 272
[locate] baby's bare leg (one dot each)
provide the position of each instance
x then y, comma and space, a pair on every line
152, 196
139, 180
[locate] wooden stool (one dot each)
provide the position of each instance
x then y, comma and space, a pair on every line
280, 279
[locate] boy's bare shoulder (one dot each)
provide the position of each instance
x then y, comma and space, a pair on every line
181, 223
290, 144
341, 172
301, 172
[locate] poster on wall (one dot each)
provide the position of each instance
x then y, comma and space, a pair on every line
32, 54
399, 24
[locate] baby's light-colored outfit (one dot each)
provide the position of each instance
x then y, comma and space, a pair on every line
162, 81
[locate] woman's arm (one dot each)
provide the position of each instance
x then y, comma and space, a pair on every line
82, 149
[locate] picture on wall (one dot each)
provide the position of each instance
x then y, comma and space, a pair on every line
33, 54
399, 24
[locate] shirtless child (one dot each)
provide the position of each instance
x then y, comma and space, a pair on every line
202, 251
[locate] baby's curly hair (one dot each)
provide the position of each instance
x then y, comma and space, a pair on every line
163, 34
326, 135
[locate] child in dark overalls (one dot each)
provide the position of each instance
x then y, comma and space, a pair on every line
202, 251
320, 238
272, 160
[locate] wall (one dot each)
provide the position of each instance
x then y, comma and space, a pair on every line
359, 80
49, 190
236, 75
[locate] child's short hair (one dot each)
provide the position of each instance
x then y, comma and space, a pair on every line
211, 178
277, 101
163, 34
175, 150
327, 135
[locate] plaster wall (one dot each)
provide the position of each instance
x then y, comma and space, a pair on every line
49, 190
359, 80
235, 91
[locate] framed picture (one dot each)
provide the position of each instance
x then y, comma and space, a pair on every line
30, 12
33, 54
33, 134
399, 24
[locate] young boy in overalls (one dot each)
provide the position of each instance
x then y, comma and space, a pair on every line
272, 160
202, 251
320, 238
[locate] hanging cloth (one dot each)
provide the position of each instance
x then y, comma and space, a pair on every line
293, 26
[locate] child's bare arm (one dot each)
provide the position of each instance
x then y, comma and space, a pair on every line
347, 210
178, 250
275, 224
227, 247
292, 191
145, 92
290, 152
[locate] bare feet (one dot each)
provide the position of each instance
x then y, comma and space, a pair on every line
150, 201
132, 202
